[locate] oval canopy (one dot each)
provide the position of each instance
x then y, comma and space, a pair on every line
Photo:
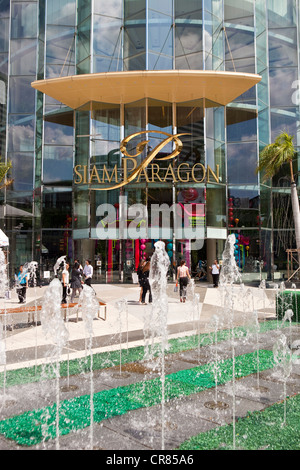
175, 86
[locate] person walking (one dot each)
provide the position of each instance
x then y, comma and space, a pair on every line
76, 283
215, 272
145, 283
22, 280
140, 277
88, 272
183, 277
65, 283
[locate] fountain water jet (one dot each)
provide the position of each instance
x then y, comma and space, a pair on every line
89, 306
158, 317
3, 326
55, 330
122, 307
229, 275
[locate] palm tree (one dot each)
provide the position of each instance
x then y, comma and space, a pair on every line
271, 159
4, 168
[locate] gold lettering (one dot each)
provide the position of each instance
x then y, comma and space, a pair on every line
94, 174
125, 180
155, 173
85, 174
187, 174
209, 170
143, 170
106, 175
193, 172
76, 170
170, 169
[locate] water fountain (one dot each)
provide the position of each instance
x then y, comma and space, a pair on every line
55, 330
157, 326
228, 277
89, 306
233, 295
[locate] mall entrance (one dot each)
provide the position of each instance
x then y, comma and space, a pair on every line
115, 261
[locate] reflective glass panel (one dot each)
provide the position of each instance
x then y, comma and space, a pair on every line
113, 8
106, 121
283, 47
23, 56
21, 133
22, 171
284, 120
281, 91
4, 34
60, 45
21, 95
160, 35
57, 164
57, 207
61, 12
241, 125
215, 206
281, 14
57, 134
24, 20
242, 163
107, 36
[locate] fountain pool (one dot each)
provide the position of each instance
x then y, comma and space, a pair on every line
209, 386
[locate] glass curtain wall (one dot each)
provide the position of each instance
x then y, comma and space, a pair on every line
19, 211
249, 36
53, 188
283, 58
243, 192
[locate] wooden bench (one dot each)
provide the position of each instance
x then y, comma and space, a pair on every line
38, 308
101, 304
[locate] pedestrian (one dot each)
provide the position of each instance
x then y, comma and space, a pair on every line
22, 284
140, 277
145, 283
65, 283
183, 277
76, 283
88, 272
215, 272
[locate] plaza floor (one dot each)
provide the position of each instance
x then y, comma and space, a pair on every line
185, 414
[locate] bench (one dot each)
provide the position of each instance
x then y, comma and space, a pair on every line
101, 304
37, 308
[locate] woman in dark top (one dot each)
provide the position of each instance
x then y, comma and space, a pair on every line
76, 283
140, 276
145, 282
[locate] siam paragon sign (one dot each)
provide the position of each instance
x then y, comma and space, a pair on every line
151, 171
183, 220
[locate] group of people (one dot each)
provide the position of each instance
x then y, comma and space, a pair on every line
70, 281
79, 276
183, 277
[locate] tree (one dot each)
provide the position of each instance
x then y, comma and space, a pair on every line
4, 168
271, 159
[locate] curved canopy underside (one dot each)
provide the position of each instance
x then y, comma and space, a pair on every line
174, 86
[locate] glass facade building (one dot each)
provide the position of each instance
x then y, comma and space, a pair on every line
59, 153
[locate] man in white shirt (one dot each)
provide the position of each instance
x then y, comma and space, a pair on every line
215, 271
65, 283
88, 272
